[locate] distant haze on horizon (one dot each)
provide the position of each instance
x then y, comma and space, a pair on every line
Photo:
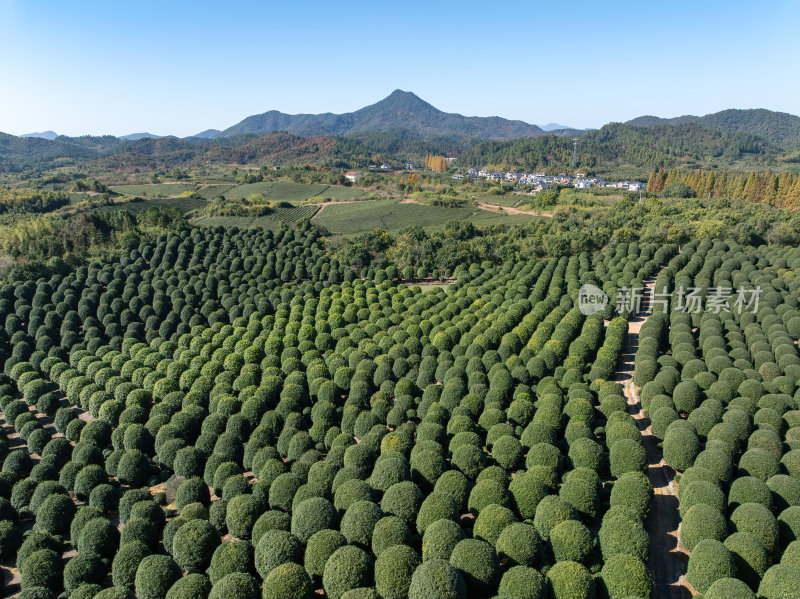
179, 68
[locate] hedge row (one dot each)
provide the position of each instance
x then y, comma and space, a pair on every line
722, 391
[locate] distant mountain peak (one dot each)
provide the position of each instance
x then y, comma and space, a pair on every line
44, 135
401, 93
554, 127
780, 128
137, 136
399, 111
208, 134
399, 105
648, 120
402, 96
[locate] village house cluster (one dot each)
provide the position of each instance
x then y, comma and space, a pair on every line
536, 181
540, 181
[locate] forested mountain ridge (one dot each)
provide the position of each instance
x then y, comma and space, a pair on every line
617, 143
402, 126
649, 120
779, 128
612, 146
32, 149
277, 148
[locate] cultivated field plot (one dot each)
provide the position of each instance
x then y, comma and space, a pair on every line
508, 200
153, 190
393, 215
340, 193
75, 197
482, 218
580, 197
171, 190
277, 190
236, 413
271, 221
182, 204
296, 192
209, 192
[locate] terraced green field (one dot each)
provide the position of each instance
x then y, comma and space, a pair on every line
296, 192
508, 200
393, 215
270, 222
277, 190
182, 204
342, 193
167, 190
271, 190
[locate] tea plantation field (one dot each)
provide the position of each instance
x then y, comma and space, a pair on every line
394, 214
272, 221
169, 190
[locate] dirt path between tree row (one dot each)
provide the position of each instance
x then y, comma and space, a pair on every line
9, 573
667, 561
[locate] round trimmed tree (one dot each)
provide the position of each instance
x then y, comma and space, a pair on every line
288, 581
235, 586
155, 575
319, 548
552, 511
622, 535
275, 548
393, 571
312, 515
126, 562
194, 544
440, 539
749, 556
710, 560
570, 580
523, 583
491, 521
626, 576
780, 581
479, 565
729, 588
437, 579
349, 567
571, 541
191, 586
390, 531
758, 521
229, 557
702, 522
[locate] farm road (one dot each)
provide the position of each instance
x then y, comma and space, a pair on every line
667, 561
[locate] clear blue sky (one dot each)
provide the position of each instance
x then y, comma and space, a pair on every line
178, 67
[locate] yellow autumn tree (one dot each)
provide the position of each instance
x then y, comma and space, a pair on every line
436, 163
